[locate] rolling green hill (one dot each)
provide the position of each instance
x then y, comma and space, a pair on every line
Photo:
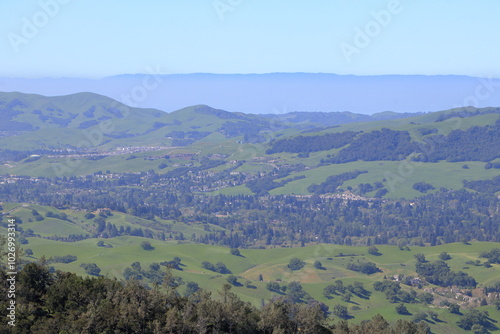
271, 265
94, 122
140, 192
85, 133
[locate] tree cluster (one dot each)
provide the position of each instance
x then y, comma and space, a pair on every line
219, 267
296, 264
307, 144
423, 187
332, 182
384, 144
478, 143
493, 256
487, 186
364, 267
64, 302
439, 273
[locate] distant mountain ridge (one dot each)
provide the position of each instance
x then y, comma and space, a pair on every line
62, 121
278, 93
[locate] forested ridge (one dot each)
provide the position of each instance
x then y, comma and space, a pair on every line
467, 112
385, 144
477, 143
315, 143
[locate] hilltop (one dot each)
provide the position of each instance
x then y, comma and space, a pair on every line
93, 116
278, 93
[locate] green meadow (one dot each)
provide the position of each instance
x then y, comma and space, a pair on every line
272, 265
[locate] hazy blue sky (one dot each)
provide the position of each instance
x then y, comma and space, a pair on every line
96, 38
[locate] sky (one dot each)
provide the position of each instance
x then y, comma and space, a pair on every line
95, 38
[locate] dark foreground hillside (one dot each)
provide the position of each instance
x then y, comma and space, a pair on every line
65, 303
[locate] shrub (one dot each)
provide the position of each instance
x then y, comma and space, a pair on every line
340, 311
366, 267
444, 256
63, 259
233, 280
401, 309
221, 268
146, 245
207, 265
318, 265
454, 308
273, 286
421, 316
373, 251
91, 268
191, 287
423, 187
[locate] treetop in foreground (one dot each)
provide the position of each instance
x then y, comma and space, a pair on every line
64, 302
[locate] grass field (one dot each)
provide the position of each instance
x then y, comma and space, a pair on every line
399, 176
272, 265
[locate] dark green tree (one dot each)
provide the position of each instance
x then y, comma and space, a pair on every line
233, 280
454, 308
296, 264
347, 297
420, 258
146, 245
444, 256
91, 268
401, 309
340, 311
373, 251
191, 288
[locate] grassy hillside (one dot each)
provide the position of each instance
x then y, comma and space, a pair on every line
442, 174
92, 121
272, 265
104, 135
86, 153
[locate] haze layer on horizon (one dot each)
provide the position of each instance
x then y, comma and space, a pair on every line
91, 39
278, 93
